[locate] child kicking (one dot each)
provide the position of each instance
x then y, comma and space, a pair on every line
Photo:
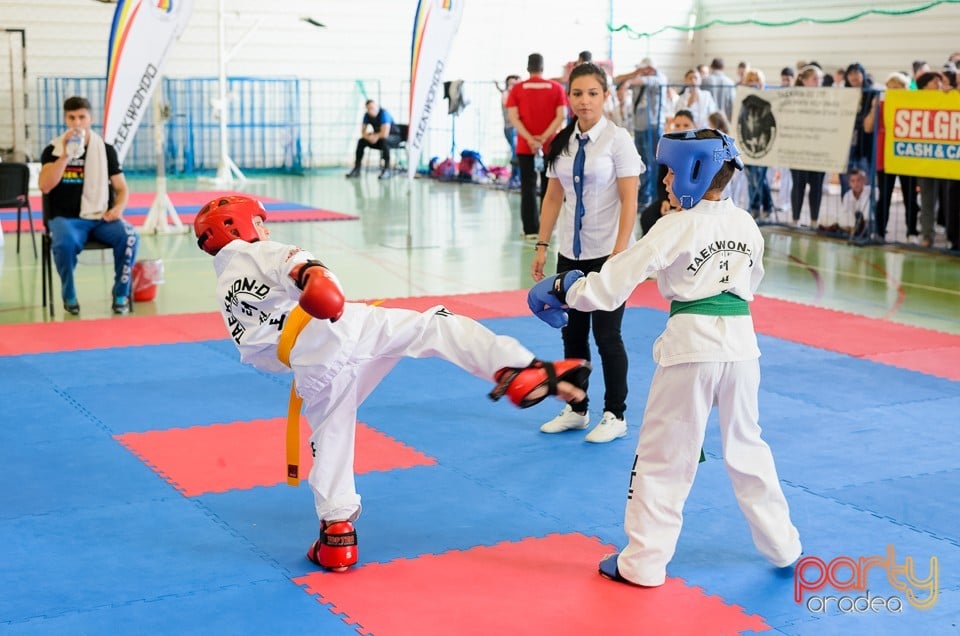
708, 260
285, 311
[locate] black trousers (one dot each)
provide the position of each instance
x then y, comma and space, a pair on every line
383, 145
908, 185
529, 205
801, 179
606, 333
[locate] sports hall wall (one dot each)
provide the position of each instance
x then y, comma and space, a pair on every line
307, 114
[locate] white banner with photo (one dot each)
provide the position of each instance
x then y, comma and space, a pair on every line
797, 127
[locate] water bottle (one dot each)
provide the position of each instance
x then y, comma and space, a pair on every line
75, 145
538, 161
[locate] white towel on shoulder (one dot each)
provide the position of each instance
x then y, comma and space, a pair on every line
96, 184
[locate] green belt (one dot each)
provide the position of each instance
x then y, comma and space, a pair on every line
723, 304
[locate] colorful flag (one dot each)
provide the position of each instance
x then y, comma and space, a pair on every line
141, 38
434, 27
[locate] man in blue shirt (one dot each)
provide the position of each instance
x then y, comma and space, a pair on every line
377, 131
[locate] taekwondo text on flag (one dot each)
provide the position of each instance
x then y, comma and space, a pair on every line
141, 38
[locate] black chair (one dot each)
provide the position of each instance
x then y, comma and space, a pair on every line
399, 142
15, 193
46, 267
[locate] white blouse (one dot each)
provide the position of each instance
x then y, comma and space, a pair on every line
609, 155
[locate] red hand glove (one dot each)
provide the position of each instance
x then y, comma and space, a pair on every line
322, 297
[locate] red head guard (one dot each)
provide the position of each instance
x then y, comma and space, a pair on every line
226, 219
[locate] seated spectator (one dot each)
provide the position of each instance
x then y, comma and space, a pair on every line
851, 218
375, 132
86, 194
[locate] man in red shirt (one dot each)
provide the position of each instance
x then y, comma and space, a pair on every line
537, 108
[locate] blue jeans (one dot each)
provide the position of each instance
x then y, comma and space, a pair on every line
758, 190
68, 238
646, 143
510, 134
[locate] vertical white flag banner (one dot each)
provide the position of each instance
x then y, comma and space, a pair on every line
141, 38
434, 28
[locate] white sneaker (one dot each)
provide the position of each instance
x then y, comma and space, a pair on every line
568, 420
609, 429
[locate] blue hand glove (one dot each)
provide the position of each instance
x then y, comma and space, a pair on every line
547, 298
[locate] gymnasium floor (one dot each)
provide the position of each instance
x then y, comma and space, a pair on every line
143, 464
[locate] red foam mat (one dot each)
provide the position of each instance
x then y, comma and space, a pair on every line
186, 197
242, 455
192, 199
276, 216
550, 583
103, 333
942, 362
899, 345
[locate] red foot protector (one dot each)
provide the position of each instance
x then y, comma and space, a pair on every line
241, 455
543, 585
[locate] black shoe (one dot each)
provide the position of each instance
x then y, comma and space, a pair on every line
72, 307
121, 305
353, 174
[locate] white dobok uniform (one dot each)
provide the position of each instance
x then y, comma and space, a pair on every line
703, 359
337, 365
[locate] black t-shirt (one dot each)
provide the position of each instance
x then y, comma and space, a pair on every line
381, 118
64, 198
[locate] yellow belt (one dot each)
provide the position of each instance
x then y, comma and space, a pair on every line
296, 320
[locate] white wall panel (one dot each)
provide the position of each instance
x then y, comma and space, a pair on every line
370, 39
881, 43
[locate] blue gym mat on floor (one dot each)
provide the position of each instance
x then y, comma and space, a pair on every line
96, 541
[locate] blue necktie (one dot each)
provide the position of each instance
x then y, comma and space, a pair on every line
579, 211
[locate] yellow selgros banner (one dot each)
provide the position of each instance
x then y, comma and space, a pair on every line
922, 133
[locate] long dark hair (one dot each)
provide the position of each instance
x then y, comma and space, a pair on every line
559, 144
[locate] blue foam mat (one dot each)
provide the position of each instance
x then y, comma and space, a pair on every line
258, 607
59, 475
95, 538
82, 559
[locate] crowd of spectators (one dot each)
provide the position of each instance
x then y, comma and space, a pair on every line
647, 102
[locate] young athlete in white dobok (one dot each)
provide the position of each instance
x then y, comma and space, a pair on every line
708, 260
285, 311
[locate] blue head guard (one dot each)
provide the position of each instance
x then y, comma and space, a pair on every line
696, 156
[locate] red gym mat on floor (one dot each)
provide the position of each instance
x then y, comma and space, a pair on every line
187, 204
241, 455
549, 584
902, 346
103, 333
